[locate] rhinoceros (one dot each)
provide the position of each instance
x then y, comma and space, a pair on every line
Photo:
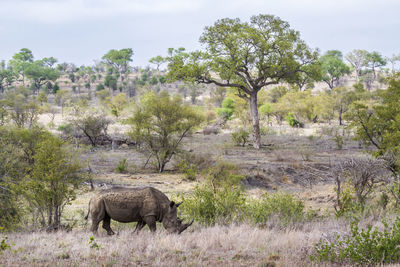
143, 205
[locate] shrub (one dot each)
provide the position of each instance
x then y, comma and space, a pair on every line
92, 124
362, 246
160, 123
339, 140
44, 170
284, 207
227, 109
3, 244
200, 161
121, 168
356, 180
56, 87
99, 87
220, 199
188, 169
293, 122
240, 137
208, 207
210, 116
66, 129
267, 131
52, 180
21, 109
223, 175
93, 244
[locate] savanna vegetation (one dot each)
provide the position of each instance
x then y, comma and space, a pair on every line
281, 154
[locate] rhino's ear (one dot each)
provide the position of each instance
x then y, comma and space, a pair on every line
177, 204
171, 204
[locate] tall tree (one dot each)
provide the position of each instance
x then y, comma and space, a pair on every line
375, 60
119, 59
158, 61
333, 67
49, 61
393, 60
160, 122
312, 73
342, 99
20, 61
7, 77
246, 56
379, 125
40, 73
358, 60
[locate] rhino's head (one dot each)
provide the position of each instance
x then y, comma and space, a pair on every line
171, 221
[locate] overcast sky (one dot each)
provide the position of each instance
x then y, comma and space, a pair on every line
80, 31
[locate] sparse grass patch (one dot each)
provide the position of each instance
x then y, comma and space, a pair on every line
306, 154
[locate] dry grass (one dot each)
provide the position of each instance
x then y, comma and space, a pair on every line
214, 246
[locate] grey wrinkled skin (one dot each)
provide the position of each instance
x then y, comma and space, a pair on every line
143, 205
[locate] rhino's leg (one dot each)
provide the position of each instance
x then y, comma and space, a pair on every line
106, 224
95, 225
97, 213
139, 226
151, 222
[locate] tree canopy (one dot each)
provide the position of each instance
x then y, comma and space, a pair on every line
378, 125
246, 56
333, 68
41, 73
119, 59
160, 122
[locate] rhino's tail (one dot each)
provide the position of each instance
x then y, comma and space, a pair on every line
87, 215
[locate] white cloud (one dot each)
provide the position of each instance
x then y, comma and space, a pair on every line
48, 11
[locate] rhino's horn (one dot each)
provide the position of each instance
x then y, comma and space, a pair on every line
178, 204
185, 226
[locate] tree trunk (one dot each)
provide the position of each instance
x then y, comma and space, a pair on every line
50, 215
255, 120
340, 115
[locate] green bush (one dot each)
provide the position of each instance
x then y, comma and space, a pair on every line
99, 87
284, 207
188, 169
347, 205
66, 129
362, 246
200, 161
56, 87
220, 199
93, 244
339, 140
223, 175
240, 137
121, 168
160, 123
293, 122
4, 245
208, 207
267, 131
227, 108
